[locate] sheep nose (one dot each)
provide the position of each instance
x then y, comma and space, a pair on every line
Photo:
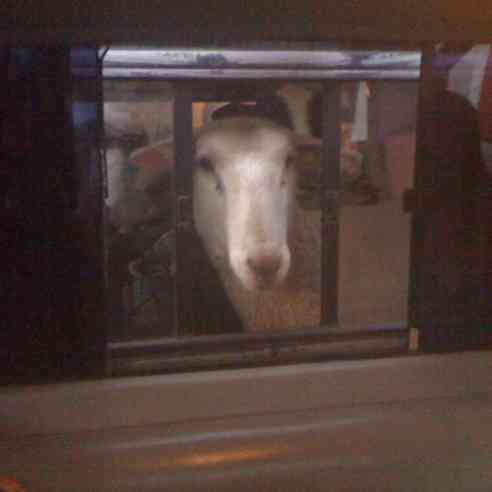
264, 265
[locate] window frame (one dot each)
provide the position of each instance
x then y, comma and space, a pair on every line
330, 67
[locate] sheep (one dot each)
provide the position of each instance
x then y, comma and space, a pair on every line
126, 208
131, 208
274, 282
136, 196
267, 249
247, 215
128, 126
153, 119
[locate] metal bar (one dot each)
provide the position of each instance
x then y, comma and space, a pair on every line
255, 349
103, 246
346, 74
376, 166
253, 341
201, 361
294, 58
417, 232
330, 202
183, 322
311, 63
99, 297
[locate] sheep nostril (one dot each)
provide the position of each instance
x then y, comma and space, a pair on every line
264, 265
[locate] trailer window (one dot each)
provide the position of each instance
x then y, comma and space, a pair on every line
354, 162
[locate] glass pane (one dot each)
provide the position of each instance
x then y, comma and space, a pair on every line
377, 164
377, 157
138, 122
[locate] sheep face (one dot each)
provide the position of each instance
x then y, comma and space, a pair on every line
244, 184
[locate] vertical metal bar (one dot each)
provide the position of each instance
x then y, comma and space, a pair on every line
417, 233
330, 202
102, 245
183, 322
103, 170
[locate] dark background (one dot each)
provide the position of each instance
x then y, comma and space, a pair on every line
220, 21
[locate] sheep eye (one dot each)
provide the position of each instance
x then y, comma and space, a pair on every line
207, 166
289, 162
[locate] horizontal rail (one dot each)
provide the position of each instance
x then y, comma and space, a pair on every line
254, 340
257, 73
297, 63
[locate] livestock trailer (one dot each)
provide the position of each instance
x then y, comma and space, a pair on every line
130, 351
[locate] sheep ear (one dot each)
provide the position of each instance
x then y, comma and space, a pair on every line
152, 164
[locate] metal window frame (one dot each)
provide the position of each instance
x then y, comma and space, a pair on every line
190, 68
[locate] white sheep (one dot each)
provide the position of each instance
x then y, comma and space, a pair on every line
247, 215
153, 119
267, 249
129, 125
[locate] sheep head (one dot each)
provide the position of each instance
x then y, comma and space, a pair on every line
244, 191
244, 194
